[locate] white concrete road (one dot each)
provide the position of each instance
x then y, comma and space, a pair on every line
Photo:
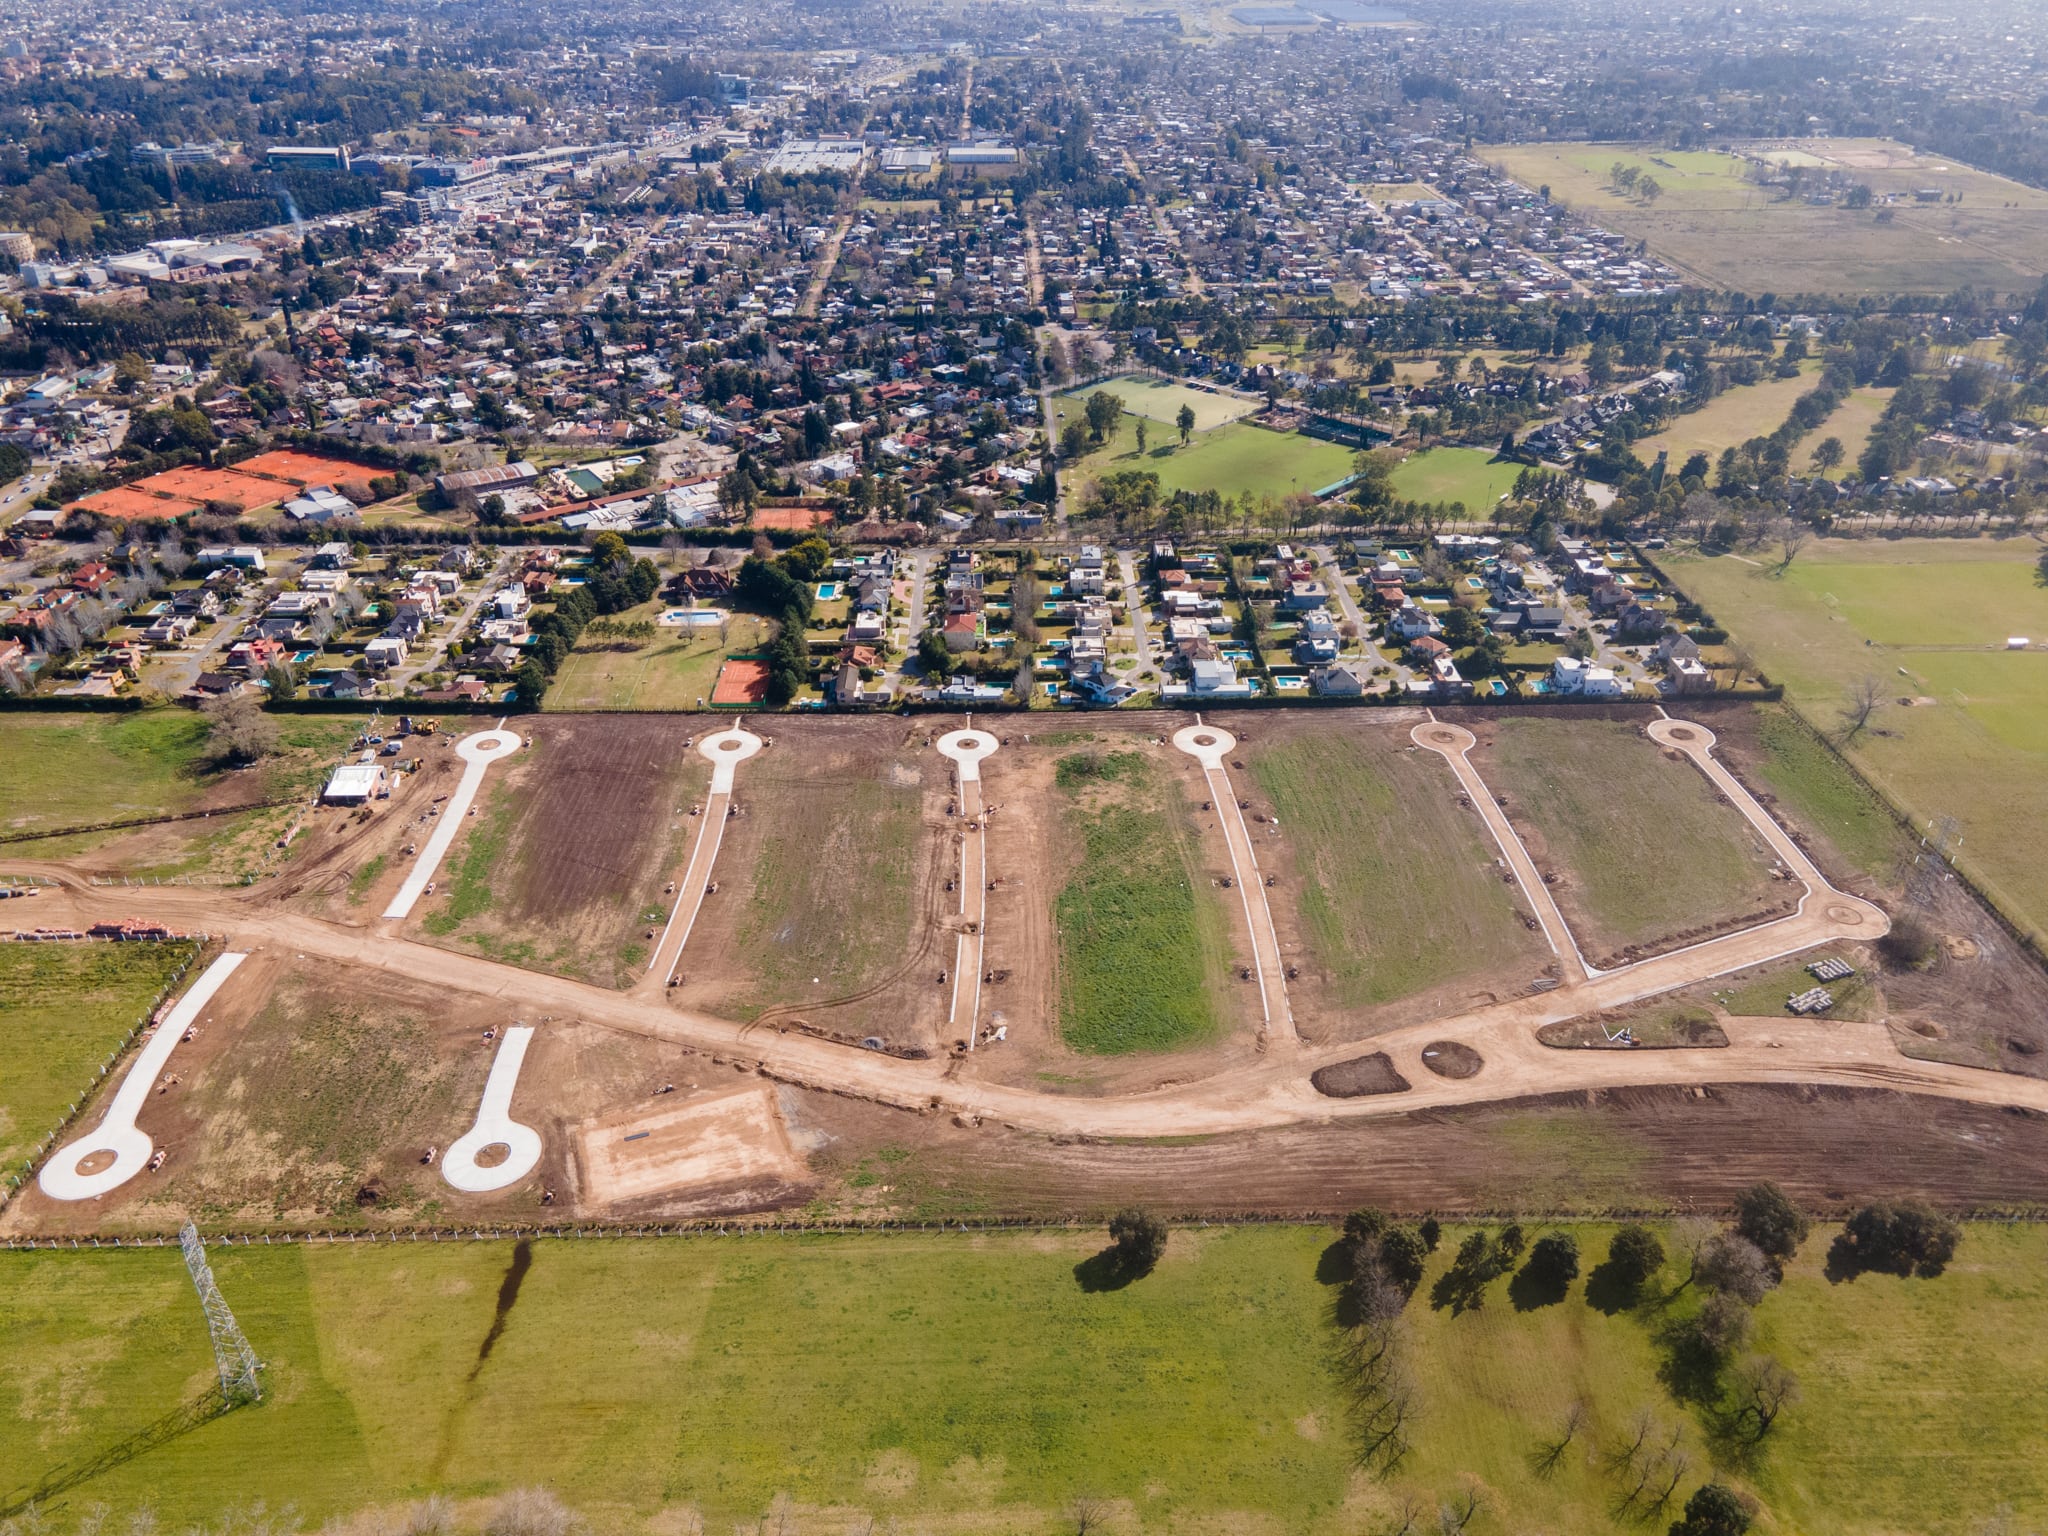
495, 1127
1210, 745
477, 752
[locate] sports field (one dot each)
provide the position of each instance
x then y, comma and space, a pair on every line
1469, 475
1644, 852
63, 1009
1143, 942
1928, 619
1233, 460
1159, 401
1396, 891
1729, 232
970, 1382
1732, 418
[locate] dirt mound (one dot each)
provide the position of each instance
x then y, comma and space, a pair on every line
1452, 1058
1360, 1076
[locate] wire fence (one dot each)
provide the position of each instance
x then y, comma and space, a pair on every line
20, 1176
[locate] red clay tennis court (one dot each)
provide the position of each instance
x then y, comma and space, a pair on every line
133, 505
795, 519
741, 681
303, 469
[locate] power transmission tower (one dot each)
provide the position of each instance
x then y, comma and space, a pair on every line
231, 1352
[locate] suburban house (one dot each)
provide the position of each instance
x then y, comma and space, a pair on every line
1316, 639
1337, 682
385, 652
1582, 679
1086, 575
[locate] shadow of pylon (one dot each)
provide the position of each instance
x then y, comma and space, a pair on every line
180, 1421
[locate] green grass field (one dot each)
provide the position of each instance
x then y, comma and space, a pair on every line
1143, 944
1807, 776
1851, 424
1468, 475
1849, 610
1645, 848
1731, 419
1731, 233
970, 1383
1397, 888
1231, 460
672, 672
63, 1010
1159, 400
67, 770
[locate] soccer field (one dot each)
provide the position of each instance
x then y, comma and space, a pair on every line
1159, 400
1469, 475
1231, 460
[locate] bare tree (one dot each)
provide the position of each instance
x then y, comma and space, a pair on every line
1792, 537
1550, 1454
1403, 1518
1736, 1267
1864, 702
1765, 1389
1459, 1511
1088, 1514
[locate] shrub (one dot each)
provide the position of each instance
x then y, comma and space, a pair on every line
1766, 1216
1139, 1238
1634, 1255
1553, 1261
1907, 1239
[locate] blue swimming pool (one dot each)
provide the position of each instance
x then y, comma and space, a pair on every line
827, 590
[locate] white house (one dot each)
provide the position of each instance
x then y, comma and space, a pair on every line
1570, 675
384, 653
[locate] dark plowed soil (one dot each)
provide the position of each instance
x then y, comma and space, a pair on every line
1452, 1058
1360, 1076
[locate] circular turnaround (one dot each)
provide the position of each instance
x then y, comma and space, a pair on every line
521, 1144
725, 752
967, 746
1439, 737
1685, 734
65, 1177
1206, 743
487, 746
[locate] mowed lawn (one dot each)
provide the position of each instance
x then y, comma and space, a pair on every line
1851, 609
64, 1008
1398, 891
1144, 946
1712, 221
1233, 460
1159, 400
1468, 475
1731, 419
1645, 848
676, 670
971, 1381
1851, 425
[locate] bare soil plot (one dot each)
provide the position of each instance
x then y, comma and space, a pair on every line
1638, 848
1390, 892
831, 907
733, 1141
1362, 1075
564, 864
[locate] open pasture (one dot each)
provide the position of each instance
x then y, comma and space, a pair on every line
639, 1380
563, 866
1393, 889
63, 1009
1731, 419
1725, 230
1637, 846
1928, 620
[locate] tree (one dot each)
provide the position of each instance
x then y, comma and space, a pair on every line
1712, 1511
1736, 1267
529, 683
1553, 1261
1633, 1255
1864, 702
1141, 435
1186, 422
933, 654
1906, 1239
1827, 454
1792, 537
1139, 1239
1766, 1216
1764, 1389
1104, 411
1073, 440
237, 730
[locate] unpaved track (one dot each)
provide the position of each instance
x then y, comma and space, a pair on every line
1274, 1090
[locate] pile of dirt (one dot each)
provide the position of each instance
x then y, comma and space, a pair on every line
1452, 1058
1361, 1075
